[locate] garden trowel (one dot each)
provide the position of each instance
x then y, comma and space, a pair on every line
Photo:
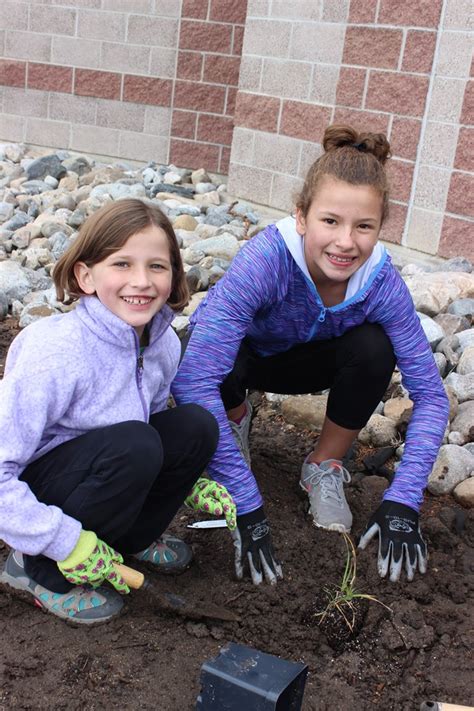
170, 601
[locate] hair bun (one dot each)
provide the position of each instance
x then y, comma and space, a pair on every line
338, 136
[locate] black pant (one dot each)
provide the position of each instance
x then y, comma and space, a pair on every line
125, 482
357, 368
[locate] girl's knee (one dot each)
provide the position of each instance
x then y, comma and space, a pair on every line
140, 445
201, 424
373, 348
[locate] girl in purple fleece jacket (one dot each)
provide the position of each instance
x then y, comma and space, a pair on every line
91, 460
312, 303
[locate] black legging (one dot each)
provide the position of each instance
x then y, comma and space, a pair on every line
357, 368
125, 482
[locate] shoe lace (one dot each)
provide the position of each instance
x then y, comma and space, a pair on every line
330, 476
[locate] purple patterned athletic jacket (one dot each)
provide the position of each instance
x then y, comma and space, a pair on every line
268, 296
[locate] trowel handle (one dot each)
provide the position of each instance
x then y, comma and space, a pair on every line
441, 706
132, 577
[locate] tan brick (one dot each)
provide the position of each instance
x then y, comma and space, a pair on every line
60, 20
120, 114
467, 111
420, 13
325, 77
399, 93
205, 36
464, 159
400, 174
44, 132
277, 153
195, 9
12, 73
76, 52
362, 11
231, 100
12, 128
309, 153
14, 15
163, 62
139, 146
161, 31
250, 183
26, 102
419, 51
461, 190
215, 129
199, 97
258, 8
439, 144
362, 120
147, 90
457, 237
317, 42
282, 77
305, 121
118, 57
183, 124
189, 154
157, 120
350, 87
432, 188
424, 230
335, 10
228, 11
49, 77
455, 54
224, 160
220, 69
137, 6
190, 65
250, 73
106, 85
404, 137
27, 45
242, 146
283, 190
446, 100
259, 112
372, 47
297, 9
458, 15
107, 26
77, 3
167, 8
94, 139
238, 33
267, 38
80, 109
392, 229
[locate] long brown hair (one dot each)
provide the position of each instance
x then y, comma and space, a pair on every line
354, 157
105, 232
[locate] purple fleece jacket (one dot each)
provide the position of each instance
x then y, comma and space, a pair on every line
67, 375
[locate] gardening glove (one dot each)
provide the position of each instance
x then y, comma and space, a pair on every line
253, 544
207, 496
399, 538
92, 562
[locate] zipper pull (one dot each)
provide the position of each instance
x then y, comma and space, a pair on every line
322, 315
140, 362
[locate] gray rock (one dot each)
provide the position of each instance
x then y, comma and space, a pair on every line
14, 281
118, 190
52, 182
6, 211
433, 331
198, 279
173, 189
465, 338
307, 411
380, 431
35, 312
202, 188
35, 187
3, 306
456, 264
199, 176
463, 423
19, 219
215, 273
77, 164
453, 465
441, 363
223, 246
466, 361
464, 493
452, 324
14, 151
45, 165
449, 347
469, 447
217, 219
59, 242
192, 256
77, 217
462, 385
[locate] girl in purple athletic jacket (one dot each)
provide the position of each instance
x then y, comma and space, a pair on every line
91, 460
314, 302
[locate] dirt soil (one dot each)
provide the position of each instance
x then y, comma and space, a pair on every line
146, 659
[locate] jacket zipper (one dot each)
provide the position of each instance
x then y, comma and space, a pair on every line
139, 373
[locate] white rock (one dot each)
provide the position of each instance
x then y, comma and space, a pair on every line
194, 303
433, 331
379, 431
466, 361
453, 465
223, 246
465, 338
14, 282
35, 312
463, 385
306, 411
398, 409
464, 493
464, 421
433, 292
180, 324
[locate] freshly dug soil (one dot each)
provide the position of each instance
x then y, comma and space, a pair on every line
146, 659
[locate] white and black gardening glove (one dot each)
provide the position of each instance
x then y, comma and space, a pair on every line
253, 545
400, 540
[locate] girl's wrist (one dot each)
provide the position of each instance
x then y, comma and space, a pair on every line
85, 545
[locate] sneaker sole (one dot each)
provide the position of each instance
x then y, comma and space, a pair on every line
338, 527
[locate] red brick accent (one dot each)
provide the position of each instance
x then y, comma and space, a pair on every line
400, 175
372, 47
215, 129
464, 159
50, 77
225, 160
199, 97
147, 90
305, 121
238, 40
404, 137
350, 87
258, 112
420, 13
362, 120
461, 190
467, 113
105, 85
183, 124
457, 237
397, 93
230, 101
229, 11
205, 36
221, 69
189, 66
362, 10
188, 154
195, 9
419, 50
12, 73
392, 229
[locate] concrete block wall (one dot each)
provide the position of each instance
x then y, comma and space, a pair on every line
399, 67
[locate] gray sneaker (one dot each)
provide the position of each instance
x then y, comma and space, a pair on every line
81, 605
324, 484
241, 433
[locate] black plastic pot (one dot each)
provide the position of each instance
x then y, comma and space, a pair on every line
241, 678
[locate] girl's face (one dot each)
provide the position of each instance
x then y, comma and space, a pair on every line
135, 281
340, 230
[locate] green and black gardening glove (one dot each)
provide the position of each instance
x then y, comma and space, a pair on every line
207, 496
92, 563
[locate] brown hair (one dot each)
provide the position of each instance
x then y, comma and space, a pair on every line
356, 158
105, 232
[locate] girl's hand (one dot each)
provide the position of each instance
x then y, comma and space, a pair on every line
92, 562
207, 496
